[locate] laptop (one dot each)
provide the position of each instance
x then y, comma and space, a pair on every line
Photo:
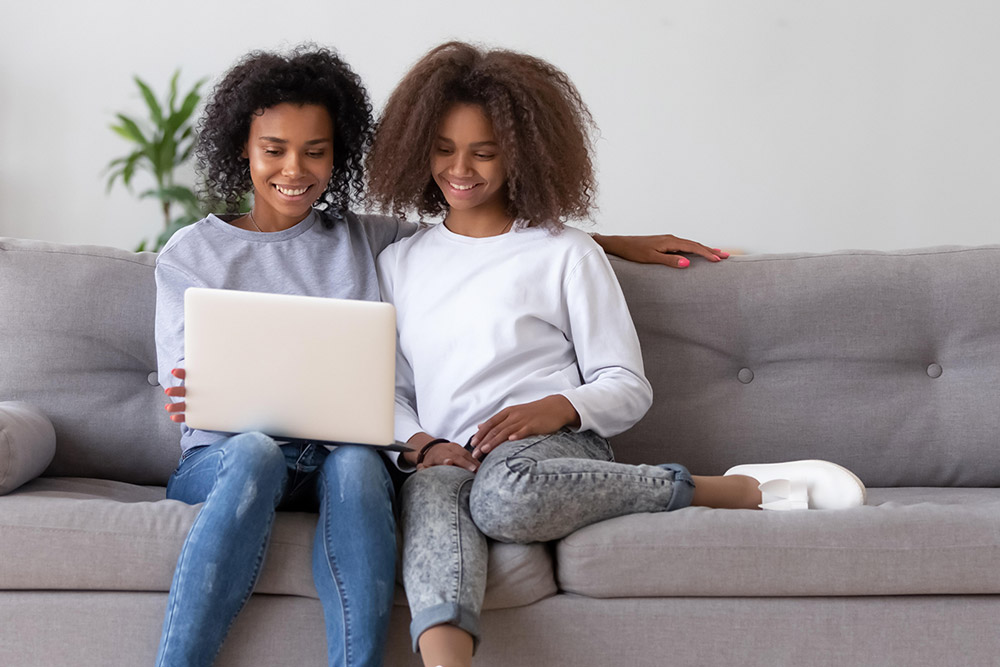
293, 367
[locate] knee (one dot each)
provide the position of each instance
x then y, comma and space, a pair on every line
254, 456
502, 513
357, 473
433, 486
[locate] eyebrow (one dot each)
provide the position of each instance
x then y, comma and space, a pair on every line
478, 144
279, 140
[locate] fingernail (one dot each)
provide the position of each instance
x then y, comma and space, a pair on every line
683, 263
721, 253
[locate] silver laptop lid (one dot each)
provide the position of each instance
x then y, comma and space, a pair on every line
290, 366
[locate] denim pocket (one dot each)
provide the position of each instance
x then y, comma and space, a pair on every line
188, 453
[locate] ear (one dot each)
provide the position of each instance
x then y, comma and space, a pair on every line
245, 155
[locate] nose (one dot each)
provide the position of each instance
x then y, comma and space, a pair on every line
461, 165
292, 164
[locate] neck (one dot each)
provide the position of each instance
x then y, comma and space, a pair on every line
478, 224
268, 221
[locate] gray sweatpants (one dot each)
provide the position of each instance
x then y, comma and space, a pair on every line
533, 490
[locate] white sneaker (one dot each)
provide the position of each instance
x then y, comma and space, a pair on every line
799, 485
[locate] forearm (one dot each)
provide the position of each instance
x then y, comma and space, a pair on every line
416, 443
612, 245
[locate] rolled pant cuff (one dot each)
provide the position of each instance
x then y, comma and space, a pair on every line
449, 613
683, 492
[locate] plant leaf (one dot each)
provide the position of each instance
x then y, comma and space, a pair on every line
173, 91
129, 169
124, 133
174, 193
167, 157
177, 120
155, 112
130, 130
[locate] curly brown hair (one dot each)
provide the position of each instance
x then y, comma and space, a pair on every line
541, 123
309, 74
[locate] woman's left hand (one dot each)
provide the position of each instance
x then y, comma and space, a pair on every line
546, 415
658, 249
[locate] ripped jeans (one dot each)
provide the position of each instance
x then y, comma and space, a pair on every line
533, 490
241, 480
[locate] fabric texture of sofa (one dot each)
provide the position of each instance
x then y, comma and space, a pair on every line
887, 363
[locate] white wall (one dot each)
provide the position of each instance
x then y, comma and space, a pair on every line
767, 126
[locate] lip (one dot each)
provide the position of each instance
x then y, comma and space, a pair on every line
305, 190
460, 189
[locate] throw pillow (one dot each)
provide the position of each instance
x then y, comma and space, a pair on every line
27, 444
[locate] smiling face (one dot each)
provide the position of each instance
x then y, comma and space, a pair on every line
290, 149
467, 165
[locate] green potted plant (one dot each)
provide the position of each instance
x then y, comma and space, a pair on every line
161, 144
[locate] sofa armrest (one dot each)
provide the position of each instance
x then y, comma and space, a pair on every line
27, 444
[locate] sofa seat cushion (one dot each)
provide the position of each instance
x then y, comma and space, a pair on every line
905, 541
89, 534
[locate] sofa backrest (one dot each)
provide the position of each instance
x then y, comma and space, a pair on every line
76, 340
887, 363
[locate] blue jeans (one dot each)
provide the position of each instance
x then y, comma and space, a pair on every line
242, 480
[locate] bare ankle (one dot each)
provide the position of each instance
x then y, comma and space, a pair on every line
446, 646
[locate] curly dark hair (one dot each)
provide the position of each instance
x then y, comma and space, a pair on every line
540, 121
261, 80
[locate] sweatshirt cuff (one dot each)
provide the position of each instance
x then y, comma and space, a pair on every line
586, 424
401, 463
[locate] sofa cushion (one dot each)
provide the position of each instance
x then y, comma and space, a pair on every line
89, 534
76, 339
27, 444
884, 362
905, 541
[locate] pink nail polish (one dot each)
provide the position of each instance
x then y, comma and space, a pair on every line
683, 262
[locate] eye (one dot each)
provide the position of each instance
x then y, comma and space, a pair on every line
272, 151
316, 154
485, 156
443, 150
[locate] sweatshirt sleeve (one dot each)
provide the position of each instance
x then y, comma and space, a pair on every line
383, 230
615, 393
171, 283
406, 421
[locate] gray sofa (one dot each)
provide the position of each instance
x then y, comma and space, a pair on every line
888, 363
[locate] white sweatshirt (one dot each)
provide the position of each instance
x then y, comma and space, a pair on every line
487, 323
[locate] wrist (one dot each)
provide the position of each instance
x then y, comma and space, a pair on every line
567, 411
422, 454
416, 443
420, 444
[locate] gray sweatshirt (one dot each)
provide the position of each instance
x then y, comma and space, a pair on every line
309, 259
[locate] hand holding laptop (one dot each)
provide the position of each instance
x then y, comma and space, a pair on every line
176, 409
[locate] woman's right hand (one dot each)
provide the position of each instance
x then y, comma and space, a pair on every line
449, 454
176, 410
440, 454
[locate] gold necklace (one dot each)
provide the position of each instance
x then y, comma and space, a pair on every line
254, 223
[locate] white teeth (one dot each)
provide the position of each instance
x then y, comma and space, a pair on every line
291, 192
461, 187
